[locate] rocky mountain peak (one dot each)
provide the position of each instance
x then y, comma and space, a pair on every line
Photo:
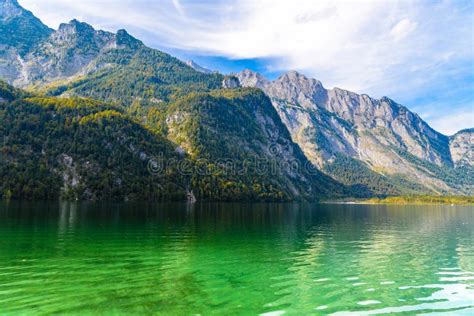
301, 83
83, 37
74, 27
249, 78
127, 40
298, 89
231, 82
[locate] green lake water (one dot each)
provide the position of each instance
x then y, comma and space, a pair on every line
235, 259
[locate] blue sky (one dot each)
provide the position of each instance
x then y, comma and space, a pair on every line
419, 53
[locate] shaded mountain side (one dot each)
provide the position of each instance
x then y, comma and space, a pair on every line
365, 182
80, 149
241, 140
10, 93
328, 124
224, 146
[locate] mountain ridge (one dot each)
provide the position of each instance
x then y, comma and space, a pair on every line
371, 146
329, 122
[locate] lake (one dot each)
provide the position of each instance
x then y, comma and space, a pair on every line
233, 259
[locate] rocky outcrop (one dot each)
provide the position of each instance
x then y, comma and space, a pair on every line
230, 82
461, 146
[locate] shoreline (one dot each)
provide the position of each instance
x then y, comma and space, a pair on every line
413, 200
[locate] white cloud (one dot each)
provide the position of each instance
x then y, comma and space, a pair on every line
178, 6
451, 123
402, 29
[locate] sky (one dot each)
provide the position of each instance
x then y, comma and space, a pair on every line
419, 53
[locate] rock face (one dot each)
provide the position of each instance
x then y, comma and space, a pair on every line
461, 146
383, 134
230, 82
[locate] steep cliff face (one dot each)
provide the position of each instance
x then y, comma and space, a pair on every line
461, 146
327, 123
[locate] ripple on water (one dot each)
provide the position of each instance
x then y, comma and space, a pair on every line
368, 302
356, 259
447, 298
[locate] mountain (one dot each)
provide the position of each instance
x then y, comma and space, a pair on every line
124, 75
77, 60
106, 117
239, 135
156, 93
390, 141
79, 149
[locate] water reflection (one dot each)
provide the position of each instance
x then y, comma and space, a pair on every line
235, 258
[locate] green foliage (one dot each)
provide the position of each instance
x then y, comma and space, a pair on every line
80, 149
139, 73
366, 182
461, 177
425, 199
9, 93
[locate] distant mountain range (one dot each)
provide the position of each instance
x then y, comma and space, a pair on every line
143, 104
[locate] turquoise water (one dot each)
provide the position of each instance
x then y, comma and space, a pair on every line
235, 259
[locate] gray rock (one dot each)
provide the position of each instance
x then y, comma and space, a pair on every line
230, 82
461, 146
